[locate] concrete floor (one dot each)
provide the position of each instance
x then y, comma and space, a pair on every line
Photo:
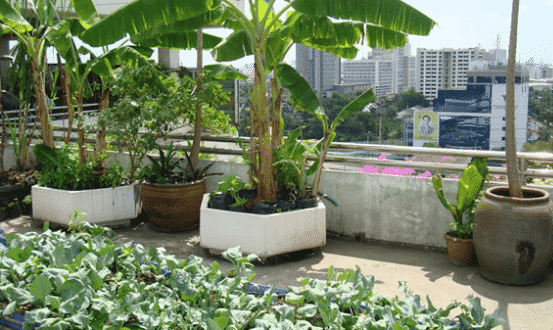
425, 272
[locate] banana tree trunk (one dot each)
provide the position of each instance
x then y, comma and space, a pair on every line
510, 143
101, 144
4, 131
267, 187
195, 152
80, 129
253, 146
66, 93
276, 127
319, 171
41, 108
23, 161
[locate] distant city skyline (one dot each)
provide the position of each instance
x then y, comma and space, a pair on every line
460, 24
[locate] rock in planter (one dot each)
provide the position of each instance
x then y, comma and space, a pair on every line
513, 237
221, 201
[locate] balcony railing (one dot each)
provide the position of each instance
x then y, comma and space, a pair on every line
529, 163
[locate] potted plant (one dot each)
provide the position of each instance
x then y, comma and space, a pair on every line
172, 194
513, 225
460, 247
232, 193
107, 199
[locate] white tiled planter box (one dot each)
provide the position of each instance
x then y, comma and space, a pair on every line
265, 235
105, 207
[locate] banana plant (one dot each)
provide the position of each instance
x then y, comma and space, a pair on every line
382, 23
304, 99
34, 33
471, 182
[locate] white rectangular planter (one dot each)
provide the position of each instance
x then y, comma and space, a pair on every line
265, 235
105, 207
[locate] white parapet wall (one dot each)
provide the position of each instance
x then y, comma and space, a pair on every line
395, 209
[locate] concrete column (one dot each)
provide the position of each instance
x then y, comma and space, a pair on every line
169, 58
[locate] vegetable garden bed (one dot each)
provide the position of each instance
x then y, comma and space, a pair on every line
82, 280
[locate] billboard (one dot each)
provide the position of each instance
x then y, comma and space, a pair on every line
425, 125
477, 98
407, 134
465, 132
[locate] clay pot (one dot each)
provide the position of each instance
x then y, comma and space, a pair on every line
460, 250
513, 237
173, 207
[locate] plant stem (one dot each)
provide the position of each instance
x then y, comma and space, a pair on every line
510, 143
195, 152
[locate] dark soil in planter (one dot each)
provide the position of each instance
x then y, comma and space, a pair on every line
267, 207
221, 201
306, 203
248, 193
285, 206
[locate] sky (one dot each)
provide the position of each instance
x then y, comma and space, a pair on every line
460, 24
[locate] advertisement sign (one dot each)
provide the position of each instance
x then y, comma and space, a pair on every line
476, 98
425, 125
465, 132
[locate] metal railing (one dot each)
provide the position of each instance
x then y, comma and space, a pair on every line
528, 162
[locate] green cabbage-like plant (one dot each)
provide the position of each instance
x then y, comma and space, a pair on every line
470, 184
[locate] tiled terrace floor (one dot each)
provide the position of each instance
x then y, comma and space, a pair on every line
426, 272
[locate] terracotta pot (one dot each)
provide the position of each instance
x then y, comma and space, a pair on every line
460, 250
173, 207
513, 237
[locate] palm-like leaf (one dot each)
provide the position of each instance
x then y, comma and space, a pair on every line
85, 9
355, 105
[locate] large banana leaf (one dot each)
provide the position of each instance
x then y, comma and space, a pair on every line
383, 38
235, 46
223, 72
179, 40
85, 9
391, 14
355, 105
12, 18
303, 97
142, 15
215, 17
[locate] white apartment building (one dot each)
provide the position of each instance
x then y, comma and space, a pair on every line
400, 65
443, 69
411, 72
377, 74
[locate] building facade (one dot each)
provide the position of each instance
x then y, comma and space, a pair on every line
443, 69
376, 74
399, 58
322, 70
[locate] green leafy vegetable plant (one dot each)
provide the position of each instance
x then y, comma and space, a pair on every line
232, 184
82, 280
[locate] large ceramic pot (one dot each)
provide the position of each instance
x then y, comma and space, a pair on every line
513, 237
173, 207
460, 250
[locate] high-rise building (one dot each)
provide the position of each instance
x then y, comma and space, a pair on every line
443, 69
400, 65
320, 69
377, 74
411, 72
